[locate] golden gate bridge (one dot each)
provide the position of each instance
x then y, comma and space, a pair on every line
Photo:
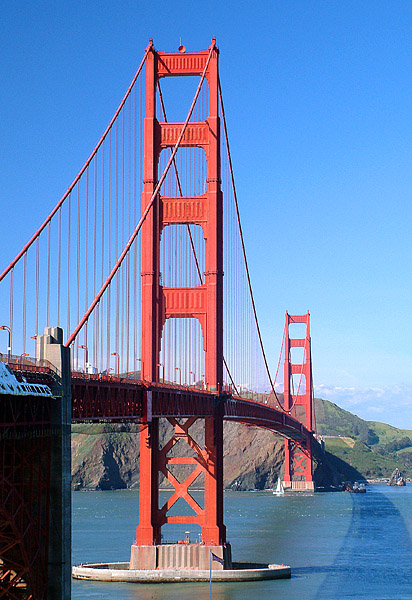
142, 264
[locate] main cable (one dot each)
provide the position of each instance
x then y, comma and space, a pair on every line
146, 211
85, 166
243, 247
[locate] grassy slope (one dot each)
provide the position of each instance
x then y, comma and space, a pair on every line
369, 463
368, 437
333, 420
388, 433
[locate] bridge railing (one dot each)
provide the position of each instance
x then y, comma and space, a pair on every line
28, 363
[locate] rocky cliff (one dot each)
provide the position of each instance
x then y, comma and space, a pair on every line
397, 479
107, 457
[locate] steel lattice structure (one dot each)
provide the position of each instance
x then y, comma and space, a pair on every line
25, 439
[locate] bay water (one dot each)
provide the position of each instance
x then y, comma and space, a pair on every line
339, 545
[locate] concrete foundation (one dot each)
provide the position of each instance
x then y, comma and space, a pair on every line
299, 486
122, 572
179, 556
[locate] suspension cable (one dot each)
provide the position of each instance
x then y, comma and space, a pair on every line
243, 247
188, 228
78, 177
230, 377
148, 207
314, 426
280, 354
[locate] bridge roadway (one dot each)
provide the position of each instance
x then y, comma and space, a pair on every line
103, 398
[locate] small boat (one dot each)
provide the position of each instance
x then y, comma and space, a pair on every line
279, 491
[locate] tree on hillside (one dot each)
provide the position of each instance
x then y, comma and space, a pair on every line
365, 434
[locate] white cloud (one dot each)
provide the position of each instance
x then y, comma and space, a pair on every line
391, 405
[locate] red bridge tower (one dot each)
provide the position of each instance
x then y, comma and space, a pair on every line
298, 456
203, 302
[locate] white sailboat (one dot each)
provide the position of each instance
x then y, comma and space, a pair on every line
279, 491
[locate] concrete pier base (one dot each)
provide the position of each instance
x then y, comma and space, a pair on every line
299, 486
179, 556
122, 572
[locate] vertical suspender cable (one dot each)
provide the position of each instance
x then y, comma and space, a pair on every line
134, 221
146, 211
78, 268
103, 246
59, 266
243, 245
108, 307
95, 257
11, 307
78, 177
24, 300
116, 342
122, 271
48, 276
37, 286
128, 234
86, 253
68, 261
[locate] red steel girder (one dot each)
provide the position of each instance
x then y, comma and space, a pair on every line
122, 400
25, 455
104, 398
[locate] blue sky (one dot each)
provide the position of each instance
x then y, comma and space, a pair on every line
318, 99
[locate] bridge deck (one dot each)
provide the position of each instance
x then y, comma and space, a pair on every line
103, 398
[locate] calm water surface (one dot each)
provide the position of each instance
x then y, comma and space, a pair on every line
339, 545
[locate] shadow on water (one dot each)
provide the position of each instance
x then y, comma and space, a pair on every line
330, 468
375, 558
339, 545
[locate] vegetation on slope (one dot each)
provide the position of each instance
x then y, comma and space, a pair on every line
372, 448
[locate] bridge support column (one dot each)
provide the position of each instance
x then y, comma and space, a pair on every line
213, 530
203, 302
35, 495
206, 461
50, 347
298, 399
148, 530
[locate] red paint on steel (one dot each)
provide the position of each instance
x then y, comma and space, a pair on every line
204, 302
97, 397
184, 200
149, 203
298, 457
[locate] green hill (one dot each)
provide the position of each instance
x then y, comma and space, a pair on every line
374, 449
